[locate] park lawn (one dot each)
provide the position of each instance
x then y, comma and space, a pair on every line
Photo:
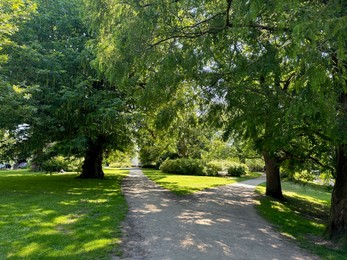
302, 217
59, 216
188, 184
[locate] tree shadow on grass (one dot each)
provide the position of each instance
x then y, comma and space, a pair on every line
60, 217
302, 219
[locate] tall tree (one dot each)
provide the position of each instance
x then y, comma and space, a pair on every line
74, 111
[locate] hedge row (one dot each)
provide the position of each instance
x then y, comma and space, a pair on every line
199, 167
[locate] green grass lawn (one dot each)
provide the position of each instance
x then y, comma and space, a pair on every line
187, 184
59, 216
302, 217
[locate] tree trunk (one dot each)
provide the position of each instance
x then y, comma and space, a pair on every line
337, 228
92, 165
273, 181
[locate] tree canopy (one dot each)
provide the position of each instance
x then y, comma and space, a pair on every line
274, 73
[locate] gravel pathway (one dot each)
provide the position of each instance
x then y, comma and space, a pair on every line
218, 223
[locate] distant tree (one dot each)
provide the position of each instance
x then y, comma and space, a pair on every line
174, 128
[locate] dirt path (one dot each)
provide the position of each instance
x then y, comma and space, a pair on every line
218, 223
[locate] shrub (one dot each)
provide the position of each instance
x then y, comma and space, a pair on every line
213, 167
164, 157
74, 164
55, 164
255, 165
237, 169
183, 166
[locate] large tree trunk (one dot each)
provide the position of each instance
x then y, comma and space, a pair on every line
337, 228
92, 165
273, 181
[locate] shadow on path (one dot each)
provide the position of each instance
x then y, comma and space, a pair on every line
218, 223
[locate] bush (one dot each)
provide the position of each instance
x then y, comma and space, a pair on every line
214, 167
237, 169
183, 166
164, 157
255, 165
55, 164
74, 164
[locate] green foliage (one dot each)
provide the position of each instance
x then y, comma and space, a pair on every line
12, 14
149, 155
173, 128
219, 150
217, 166
55, 164
60, 163
213, 168
63, 217
255, 165
119, 159
183, 166
237, 169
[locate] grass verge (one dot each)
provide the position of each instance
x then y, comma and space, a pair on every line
187, 184
302, 217
59, 216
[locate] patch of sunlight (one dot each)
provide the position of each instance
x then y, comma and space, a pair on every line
97, 201
279, 207
70, 248
28, 250
288, 235
47, 224
105, 218
45, 232
318, 225
67, 219
97, 244
45, 212
69, 203
112, 194
305, 197
74, 193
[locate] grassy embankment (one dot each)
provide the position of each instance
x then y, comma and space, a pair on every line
59, 216
187, 184
302, 217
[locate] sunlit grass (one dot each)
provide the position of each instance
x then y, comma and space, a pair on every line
59, 216
187, 184
302, 217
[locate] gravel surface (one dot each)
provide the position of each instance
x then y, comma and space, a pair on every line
218, 223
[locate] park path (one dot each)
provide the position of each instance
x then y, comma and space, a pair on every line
218, 223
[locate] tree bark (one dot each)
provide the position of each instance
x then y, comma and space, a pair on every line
92, 165
273, 181
337, 228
